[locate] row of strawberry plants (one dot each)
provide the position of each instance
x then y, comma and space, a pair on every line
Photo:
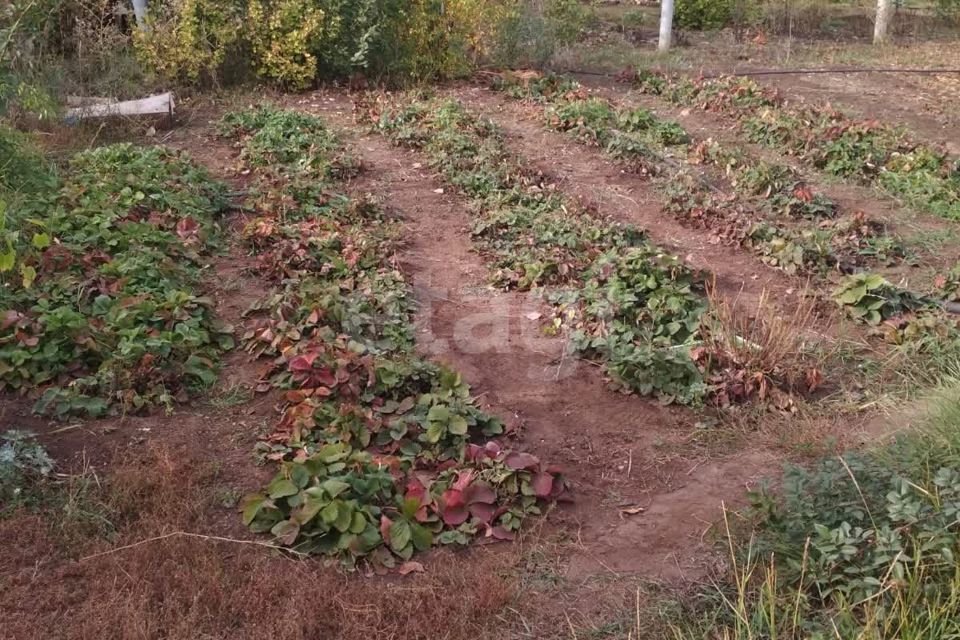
637, 133
845, 243
766, 200
628, 303
380, 453
865, 150
100, 279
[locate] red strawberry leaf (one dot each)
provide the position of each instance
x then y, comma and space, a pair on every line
519, 461
455, 516
542, 484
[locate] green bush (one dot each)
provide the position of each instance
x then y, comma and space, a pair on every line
706, 15
949, 10
23, 28
22, 166
531, 32
188, 40
524, 40
702, 14
295, 42
567, 18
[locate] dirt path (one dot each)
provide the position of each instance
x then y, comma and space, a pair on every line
617, 450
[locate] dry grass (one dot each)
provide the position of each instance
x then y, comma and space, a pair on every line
762, 352
194, 588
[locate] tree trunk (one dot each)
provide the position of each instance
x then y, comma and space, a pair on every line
666, 25
884, 11
140, 12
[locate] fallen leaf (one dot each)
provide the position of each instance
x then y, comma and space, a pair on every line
410, 566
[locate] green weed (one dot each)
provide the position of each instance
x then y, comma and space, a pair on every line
861, 546
231, 396
23, 462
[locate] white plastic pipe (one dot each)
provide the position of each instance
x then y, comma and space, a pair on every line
666, 25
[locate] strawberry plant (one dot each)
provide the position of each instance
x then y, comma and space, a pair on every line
540, 88
639, 310
780, 186
105, 313
869, 298
381, 454
287, 140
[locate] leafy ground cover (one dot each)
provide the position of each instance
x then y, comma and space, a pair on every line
859, 546
765, 207
866, 151
381, 453
100, 297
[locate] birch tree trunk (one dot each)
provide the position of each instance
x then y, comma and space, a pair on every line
884, 11
140, 11
666, 25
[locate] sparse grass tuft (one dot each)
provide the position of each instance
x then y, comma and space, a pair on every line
231, 395
762, 352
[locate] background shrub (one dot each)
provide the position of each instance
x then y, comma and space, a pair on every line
295, 43
949, 10
530, 33
702, 14
188, 40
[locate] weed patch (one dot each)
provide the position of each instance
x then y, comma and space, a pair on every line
860, 546
23, 462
